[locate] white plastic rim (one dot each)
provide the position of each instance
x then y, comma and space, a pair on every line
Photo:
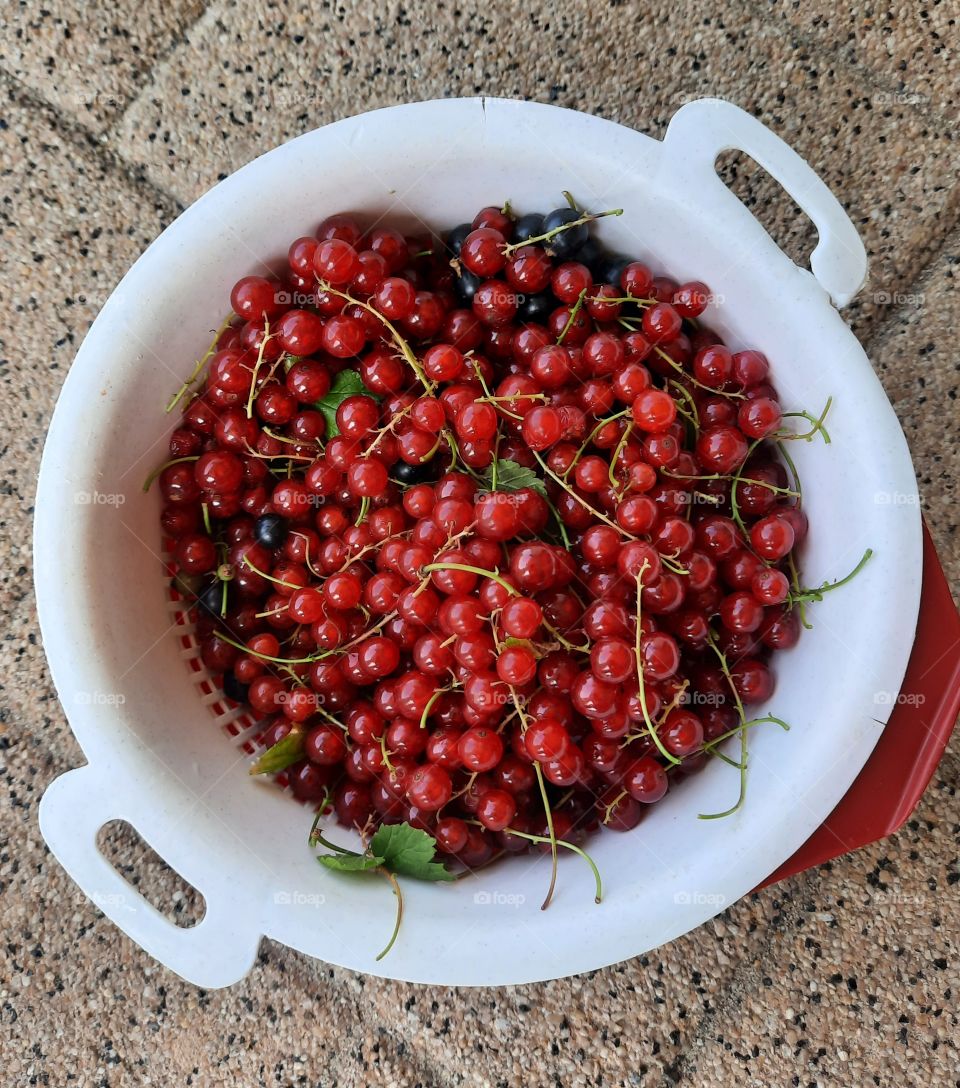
157, 759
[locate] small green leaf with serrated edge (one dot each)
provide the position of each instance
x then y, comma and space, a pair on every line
280, 755
514, 477
350, 863
408, 851
347, 383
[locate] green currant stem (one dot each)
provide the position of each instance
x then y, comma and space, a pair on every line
488, 397
182, 391
405, 349
360, 638
431, 702
326, 802
640, 679
817, 593
479, 375
384, 753
568, 197
692, 415
365, 550
331, 719
742, 730
283, 438
570, 846
392, 880
268, 657
455, 454
689, 377
796, 587
513, 396
735, 479
816, 428
566, 487
256, 367
565, 642
627, 431
205, 511
314, 836
495, 401
548, 812
494, 575
785, 454
674, 702
669, 562
587, 217
317, 838
734, 501
551, 835
623, 299
364, 509
271, 612
559, 520
608, 809
384, 431
288, 457
148, 482
577, 306
590, 437
712, 744
269, 577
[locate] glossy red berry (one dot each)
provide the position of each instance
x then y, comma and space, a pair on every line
336, 261
480, 749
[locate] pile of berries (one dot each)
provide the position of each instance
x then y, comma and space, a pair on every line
490, 530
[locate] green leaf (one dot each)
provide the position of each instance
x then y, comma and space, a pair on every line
347, 383
514, 477
408, 851
350, 863
280, 755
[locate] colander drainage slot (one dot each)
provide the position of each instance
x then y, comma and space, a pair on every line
149, 875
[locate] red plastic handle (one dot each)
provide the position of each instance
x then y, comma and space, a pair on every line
893, 780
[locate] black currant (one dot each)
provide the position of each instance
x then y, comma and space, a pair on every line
609, 268
456, 237
269, 531
537, 308
590, 253
211, 599
527, 226
405, 473
567, 242
465, 285
233, 689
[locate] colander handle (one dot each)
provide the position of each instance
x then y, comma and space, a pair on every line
216, 952
699, 131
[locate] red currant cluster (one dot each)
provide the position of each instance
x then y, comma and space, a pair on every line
492, 530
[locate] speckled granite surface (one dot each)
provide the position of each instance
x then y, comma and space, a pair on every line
114, 116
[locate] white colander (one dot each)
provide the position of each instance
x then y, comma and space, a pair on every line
160, 759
